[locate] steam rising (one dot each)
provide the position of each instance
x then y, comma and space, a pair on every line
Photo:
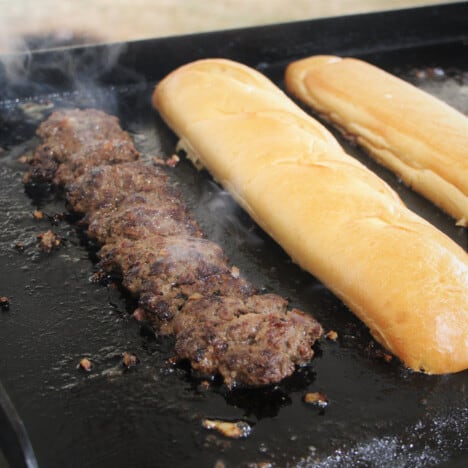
230, 218
59, 68
15, 63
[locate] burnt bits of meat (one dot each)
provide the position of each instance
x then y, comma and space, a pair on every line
183, 282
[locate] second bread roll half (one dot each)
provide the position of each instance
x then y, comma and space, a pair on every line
417, 136
400, 275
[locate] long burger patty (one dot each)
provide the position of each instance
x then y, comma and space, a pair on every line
184, 282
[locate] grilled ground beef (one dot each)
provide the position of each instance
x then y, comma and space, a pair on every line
255, 341
66, 131
67, 134
164, 303
141, 219
172, 260
184, 282
108, 185
104, 152
43, 166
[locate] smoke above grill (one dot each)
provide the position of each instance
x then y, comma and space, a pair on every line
153, 412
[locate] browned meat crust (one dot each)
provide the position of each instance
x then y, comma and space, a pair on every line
184, 282
43, 166
107, 186
255, 340
163, 304
96, 154
69, 136
141, 219
48, 241
66, 131
173, 260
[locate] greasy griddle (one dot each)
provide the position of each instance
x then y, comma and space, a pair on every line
379, 414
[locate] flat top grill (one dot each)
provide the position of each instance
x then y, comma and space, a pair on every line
379, 413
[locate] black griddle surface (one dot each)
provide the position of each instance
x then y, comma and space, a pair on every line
379, 414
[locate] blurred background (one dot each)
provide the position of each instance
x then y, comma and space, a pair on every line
40, 24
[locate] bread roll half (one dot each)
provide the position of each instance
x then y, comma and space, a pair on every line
405, 279
417, 136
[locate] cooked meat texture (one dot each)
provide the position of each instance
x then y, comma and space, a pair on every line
92, 155
69, 132
166, 196
255, 341
43, 166
108, 185
184, 282
163, 301
141, 220
172, 260
49, 240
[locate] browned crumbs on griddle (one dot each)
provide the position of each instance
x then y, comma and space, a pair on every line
231, 429
85, 364
331, 335
316, 398
139, 314
184, 283
19, 246
173, 160
25, 159
49, 241
4, 303
387, 357
129, 360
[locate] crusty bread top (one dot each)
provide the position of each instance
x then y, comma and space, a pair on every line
405, 279
415, 134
